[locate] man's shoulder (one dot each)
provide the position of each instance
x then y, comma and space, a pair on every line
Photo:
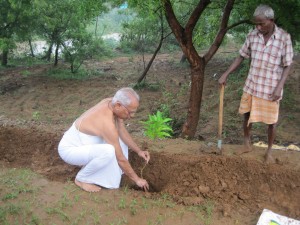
252, 33
281, 32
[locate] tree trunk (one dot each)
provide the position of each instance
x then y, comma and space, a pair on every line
141, 78
183, 58
56, 54
31, 48
197, 80
4, 60
96, 26
49, 52
72, 67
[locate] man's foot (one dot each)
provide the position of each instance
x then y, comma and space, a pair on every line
247, 144
246, 148
87, 187
268, 159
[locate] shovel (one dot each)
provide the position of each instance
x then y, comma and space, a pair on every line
220, 118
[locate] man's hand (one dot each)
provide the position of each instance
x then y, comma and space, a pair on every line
142, 183
145, 155
222, 79
276, 95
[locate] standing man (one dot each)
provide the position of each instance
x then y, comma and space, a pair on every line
98, 141
270, 50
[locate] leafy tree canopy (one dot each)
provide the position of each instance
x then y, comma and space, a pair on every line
287, 17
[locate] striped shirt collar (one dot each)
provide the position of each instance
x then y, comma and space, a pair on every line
273, 36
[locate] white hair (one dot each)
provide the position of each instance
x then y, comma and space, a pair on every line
265, 11
124, 96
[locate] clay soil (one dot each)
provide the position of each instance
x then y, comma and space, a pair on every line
36, 109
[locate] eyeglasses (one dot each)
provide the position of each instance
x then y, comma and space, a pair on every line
130, 113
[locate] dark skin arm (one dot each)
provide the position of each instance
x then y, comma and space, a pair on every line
277, 91
236, 63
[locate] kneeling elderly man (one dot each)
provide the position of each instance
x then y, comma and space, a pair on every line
98, 141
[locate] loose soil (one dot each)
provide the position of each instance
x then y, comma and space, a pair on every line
37, 109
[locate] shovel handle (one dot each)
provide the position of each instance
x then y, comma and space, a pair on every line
221, 111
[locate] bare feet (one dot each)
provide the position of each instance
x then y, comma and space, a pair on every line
246, 148
247, 144
268, 159
87, 187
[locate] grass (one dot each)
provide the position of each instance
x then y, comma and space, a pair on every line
204, 212
27, 61
147, 86
24, 202
65, 73
16, 184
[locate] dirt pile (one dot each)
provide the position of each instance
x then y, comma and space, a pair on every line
35, 149
233, 182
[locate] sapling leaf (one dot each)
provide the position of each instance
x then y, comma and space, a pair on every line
157, 126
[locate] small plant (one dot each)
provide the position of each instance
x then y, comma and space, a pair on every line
133, 209
36, 115
157, 126
143, 170
145, 204
10, 196
122, 204
125, 190
25, 73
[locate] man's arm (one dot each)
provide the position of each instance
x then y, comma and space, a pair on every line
127, 139
111, 136
277, 91
236, 63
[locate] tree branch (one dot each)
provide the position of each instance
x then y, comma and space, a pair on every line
195, 15
238, 23
222, 31
174, 24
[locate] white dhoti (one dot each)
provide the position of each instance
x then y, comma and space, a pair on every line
97, 158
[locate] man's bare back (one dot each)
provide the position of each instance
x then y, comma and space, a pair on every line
91, 122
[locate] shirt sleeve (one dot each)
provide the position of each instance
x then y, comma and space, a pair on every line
245, 51
287, 54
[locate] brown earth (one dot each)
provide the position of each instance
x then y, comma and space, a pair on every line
37, 109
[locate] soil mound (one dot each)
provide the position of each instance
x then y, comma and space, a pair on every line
234, 182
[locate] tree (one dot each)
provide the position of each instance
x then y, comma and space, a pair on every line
146, 31
61, 17
14, 15
184, 36
206, 22
161, 39
81, 46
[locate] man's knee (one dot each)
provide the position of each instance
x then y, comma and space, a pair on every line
104, 156
272, 126
103, 151
246, 116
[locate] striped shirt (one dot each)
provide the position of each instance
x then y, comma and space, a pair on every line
267, 61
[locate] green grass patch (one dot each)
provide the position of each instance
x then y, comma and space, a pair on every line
147, 86
66, 74
17, 195
25, 61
